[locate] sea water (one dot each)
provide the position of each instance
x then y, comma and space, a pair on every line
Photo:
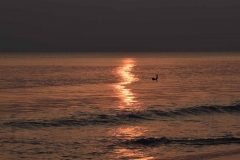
110, 108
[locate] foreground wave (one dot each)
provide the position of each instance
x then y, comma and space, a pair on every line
125, 118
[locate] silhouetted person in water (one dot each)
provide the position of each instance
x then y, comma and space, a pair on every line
155, 79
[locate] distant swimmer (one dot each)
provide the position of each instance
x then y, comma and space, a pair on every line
155, 78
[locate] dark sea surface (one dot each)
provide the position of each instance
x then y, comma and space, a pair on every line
110, 108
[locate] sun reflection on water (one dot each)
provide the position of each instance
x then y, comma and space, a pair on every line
123, 90
126, 77
130, 133
129, 154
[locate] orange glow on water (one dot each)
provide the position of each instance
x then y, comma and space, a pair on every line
126, 77
137, 154
129, 133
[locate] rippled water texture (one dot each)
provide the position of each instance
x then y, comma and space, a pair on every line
110, 108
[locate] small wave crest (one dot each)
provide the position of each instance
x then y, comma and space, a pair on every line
101, 119
185, 141
199, 110
124, 118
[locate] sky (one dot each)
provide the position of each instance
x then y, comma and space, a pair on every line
119, 25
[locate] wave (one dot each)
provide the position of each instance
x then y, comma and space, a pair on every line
101, 119
125, 118
186, 141
199, 110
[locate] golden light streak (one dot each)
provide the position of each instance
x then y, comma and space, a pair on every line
126, 77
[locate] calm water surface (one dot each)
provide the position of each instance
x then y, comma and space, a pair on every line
110, 108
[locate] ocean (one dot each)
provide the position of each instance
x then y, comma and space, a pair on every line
76, 107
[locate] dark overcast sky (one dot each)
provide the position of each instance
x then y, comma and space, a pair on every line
119, 25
